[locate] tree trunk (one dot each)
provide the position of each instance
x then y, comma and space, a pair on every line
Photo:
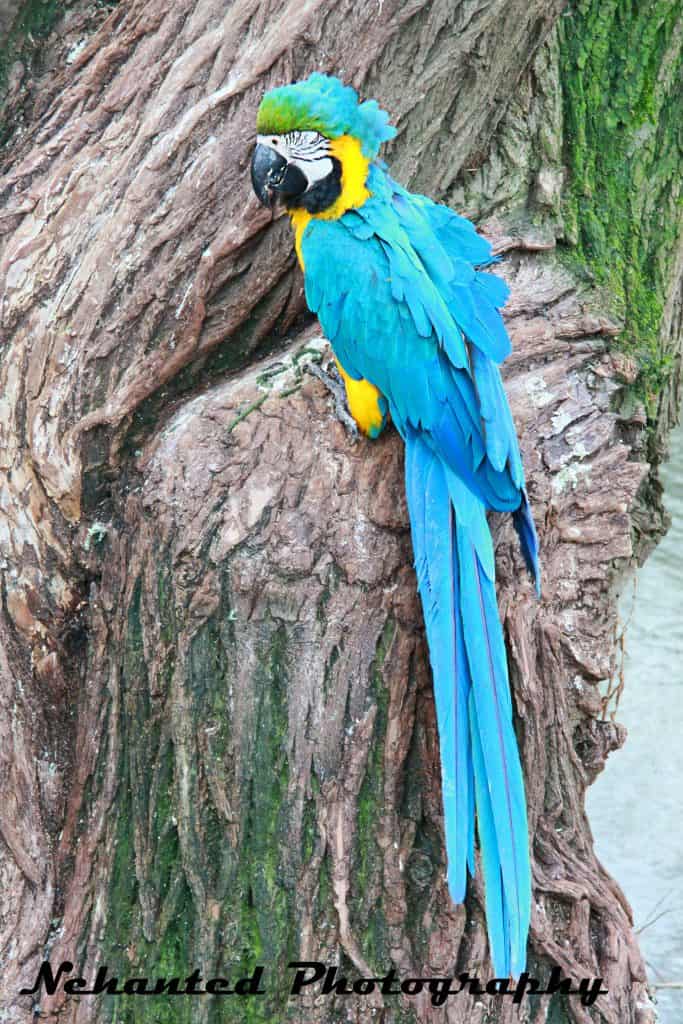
217, 738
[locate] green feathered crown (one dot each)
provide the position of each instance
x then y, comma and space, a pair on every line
323, 104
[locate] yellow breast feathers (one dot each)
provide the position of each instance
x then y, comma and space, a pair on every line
353, 193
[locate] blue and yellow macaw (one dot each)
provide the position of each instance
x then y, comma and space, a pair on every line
415, 326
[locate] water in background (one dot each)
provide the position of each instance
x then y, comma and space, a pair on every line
636, 805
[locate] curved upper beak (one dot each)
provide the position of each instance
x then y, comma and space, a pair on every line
271, 173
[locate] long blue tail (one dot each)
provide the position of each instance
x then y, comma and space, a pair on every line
480, 763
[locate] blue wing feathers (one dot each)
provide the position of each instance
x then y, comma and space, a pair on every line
422, 385
398, 287
526, 531
494, 288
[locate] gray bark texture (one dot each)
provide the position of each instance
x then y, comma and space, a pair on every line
217, 734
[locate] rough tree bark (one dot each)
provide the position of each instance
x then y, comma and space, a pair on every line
217, 735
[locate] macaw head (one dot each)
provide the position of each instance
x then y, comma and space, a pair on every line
311, 135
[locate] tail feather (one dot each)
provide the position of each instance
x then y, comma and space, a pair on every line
479, 757
490, 859
433, 539
502, 770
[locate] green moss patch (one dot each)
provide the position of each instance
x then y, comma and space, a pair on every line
621, 66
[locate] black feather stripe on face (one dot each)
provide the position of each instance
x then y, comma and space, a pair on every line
320, 196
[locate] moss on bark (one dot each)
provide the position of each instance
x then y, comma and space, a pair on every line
33, 22
27, 28
621, 64
26, 35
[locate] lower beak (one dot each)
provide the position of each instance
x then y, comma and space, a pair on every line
270, 174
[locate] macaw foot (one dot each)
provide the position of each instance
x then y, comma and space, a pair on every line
335, 385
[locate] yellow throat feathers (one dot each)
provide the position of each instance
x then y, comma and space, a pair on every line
353, 192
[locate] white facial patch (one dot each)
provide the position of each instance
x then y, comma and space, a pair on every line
309, 151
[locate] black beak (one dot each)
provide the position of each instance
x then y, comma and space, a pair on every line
270, 174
